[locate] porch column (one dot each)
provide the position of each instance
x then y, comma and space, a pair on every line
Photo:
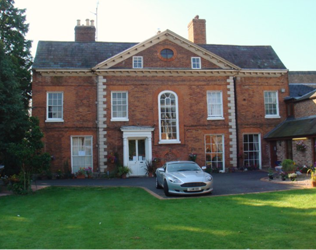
125, 150
149, 148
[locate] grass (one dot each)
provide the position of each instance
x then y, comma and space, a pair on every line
131, 218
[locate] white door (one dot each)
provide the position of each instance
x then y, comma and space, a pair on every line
137, 157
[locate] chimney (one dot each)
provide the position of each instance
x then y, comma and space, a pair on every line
85, 33
197, 30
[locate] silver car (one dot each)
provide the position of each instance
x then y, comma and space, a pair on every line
183, 177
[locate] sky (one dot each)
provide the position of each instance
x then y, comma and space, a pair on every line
287, 25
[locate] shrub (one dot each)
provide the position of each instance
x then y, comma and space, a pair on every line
288, 165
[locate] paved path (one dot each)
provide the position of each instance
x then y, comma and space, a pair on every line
224, 184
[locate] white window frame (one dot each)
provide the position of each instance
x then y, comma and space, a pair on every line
251, 151
59, 119
119, 118
211, 116
169, 141
196, 62
277, 115
137, 62
209, 150
81, 153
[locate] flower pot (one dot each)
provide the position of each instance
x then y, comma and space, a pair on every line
81, 177
270, 177
313, 183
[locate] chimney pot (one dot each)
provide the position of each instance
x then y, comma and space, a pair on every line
85, 33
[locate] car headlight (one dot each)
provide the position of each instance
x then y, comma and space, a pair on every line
209, 178
174, 180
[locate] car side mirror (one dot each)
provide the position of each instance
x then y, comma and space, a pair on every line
204, 168
161, 169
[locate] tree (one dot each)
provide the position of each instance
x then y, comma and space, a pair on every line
12, 32
29, 156
15, 77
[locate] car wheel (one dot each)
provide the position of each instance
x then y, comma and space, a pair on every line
165, 188
157, 184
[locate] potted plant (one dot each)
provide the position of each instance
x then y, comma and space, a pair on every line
88, 171
149, 168
313, 176
123, 171
192, 157
283, 176
288, 166
81, 174
270, 174
292, 176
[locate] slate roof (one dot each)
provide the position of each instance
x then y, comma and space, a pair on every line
302, 127
247, 57
298, 90
75, 55
85, 55
302, 77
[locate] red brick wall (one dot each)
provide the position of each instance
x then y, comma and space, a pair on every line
85, 34
143, 111
182, 58
305, 108
197, 31
79, 114
251, 112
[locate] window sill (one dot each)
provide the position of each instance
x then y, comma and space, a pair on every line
216, 118
119, 120
169, 142
272, 116
54, 120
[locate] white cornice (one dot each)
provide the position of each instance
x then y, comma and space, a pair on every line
171, 36
164, 72
65, 72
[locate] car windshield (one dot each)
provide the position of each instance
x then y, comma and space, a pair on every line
183, 167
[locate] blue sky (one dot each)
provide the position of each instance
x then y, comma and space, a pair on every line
287, 25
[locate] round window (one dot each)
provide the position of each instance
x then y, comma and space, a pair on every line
167, 53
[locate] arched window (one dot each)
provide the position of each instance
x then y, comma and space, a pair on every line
168, 117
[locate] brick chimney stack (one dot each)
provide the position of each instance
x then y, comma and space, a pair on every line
85, 33
197, 30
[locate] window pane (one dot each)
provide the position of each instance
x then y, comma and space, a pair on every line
251, 150
81, 152
270, 103
55, 106
168, 116
214, 152
119, 105
215, 105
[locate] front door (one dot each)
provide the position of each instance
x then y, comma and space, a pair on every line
137, 157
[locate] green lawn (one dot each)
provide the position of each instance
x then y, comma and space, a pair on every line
131, 218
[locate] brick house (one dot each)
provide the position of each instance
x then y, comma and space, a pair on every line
164, 98
299, 129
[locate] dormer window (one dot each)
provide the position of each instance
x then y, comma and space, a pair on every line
196, 62
137, 62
